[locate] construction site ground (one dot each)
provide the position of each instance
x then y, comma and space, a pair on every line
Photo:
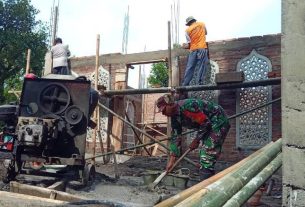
130, 190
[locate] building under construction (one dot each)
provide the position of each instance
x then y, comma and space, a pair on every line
259, 83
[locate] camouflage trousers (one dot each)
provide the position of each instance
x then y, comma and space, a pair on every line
212, 143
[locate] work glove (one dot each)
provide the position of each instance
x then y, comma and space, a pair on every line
195, 144
171, 162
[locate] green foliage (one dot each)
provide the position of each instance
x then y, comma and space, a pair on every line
158, 75
14, 83
19, 31
177, 46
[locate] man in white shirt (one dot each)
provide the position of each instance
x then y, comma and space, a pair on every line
60, 54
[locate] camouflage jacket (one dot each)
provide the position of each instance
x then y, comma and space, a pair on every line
195, 114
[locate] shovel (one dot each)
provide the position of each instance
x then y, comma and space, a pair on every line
151, 186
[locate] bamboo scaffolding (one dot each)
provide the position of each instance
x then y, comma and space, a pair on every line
249, 189
216, 194
195, 188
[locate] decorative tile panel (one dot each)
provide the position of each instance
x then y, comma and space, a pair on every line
254, 129
209, 79
103, 79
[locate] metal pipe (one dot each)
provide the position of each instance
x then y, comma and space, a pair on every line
249, 189
253, 109
216, 194
247, 84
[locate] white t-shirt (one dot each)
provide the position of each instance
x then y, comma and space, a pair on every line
60, 55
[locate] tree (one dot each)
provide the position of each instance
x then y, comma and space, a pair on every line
19, 31
158, 75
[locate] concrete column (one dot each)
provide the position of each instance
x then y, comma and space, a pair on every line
293, 102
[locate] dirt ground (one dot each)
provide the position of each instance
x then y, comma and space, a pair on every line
130, 189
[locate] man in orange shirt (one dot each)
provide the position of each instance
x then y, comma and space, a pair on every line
196, 43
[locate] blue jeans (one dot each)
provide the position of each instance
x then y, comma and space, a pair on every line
197, 58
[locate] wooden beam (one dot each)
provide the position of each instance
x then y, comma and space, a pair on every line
118, 58
16, 187
96, 75
60, 185
28, 60
20, 200
151, 128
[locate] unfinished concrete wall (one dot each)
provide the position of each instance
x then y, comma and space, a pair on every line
293, 102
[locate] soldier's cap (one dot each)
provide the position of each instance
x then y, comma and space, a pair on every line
163, 101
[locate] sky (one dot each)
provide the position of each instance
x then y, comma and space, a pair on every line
81, 20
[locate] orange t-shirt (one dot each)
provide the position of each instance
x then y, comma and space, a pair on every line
197, 32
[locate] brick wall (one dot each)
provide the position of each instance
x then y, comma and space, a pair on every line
227, 54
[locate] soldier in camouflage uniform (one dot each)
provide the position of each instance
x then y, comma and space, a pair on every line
211, 122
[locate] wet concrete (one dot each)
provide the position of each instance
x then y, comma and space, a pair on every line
130, 189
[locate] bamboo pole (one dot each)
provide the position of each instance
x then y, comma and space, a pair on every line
195, 188
169, 55
246, 84
28, 60
95, 115
168, 131
251, 187
216, 194
20, 200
